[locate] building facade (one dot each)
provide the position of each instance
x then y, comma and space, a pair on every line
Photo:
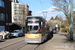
5, 14
19, 13
16, 1
11, 11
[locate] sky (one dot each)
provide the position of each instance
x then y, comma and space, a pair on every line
39, 6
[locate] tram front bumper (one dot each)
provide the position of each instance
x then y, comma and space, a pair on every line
38, 40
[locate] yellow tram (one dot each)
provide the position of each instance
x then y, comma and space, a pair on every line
35, 29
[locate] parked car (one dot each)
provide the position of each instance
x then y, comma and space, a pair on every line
51, 30
17, 33
4, 34
54, 31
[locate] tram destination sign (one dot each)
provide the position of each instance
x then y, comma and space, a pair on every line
33, 19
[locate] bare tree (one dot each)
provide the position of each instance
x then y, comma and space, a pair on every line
60, 17
62, 5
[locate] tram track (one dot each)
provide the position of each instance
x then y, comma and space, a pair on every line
37, 46
10, 44
10, 40
19, 44
29, 47
22, 46
32, 46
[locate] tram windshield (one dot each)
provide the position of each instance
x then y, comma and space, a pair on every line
33, 29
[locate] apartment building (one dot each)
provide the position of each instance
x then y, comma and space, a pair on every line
16, 1
19, 13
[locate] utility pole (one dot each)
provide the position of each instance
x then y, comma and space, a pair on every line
60, 26
71, 23
57, 22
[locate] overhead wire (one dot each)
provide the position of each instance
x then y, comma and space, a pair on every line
42, 6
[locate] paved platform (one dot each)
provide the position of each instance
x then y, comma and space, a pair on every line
59, 42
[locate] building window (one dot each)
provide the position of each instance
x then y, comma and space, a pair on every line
20, 6
16, 12
1, 3
2, 28
16, 18
2, 17
16, 6
21, 12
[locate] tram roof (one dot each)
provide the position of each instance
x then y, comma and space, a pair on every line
35, 16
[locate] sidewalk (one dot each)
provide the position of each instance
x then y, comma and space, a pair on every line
59, 42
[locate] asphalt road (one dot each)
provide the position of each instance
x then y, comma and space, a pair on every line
19, 44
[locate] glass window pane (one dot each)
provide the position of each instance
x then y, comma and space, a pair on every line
20, 6
20, 12
2, 17
15, 12
17, 5
14, 5
15, 18
0, 2
2, 28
